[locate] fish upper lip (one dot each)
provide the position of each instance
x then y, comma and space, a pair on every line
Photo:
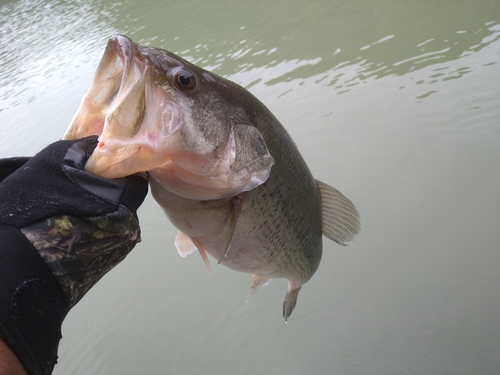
134, 65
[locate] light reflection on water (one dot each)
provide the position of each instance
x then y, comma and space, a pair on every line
48, 52
397, 106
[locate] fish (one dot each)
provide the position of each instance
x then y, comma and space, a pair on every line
225, 171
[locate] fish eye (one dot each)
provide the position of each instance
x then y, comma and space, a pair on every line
185, 80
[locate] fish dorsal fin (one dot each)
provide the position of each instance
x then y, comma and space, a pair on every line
340, 217
184, 244
236, 205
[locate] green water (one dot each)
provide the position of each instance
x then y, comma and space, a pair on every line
395, 103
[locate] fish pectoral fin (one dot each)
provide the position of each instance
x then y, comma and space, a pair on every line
340, 218
236, 205
290, 300
203, 253
257, 282
184, 244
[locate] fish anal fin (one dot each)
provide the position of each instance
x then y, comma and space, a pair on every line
236, 206
290, 300
339, 215
257, 282
184, 244
203, 253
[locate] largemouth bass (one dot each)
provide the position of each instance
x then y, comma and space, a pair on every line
225, 171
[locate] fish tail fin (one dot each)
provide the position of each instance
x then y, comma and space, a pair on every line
339, 215
257, 282
290, 300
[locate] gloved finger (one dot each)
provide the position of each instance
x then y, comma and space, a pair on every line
129, 191
135, 192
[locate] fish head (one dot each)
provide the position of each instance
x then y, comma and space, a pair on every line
155, 112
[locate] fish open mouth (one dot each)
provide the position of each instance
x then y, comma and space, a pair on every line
121, 107
119, 72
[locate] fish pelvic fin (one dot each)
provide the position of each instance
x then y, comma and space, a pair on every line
203, 253
290, 300
184, 244
257, 282
339, 215
236, 205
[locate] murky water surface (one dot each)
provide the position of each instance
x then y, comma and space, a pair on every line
397, 104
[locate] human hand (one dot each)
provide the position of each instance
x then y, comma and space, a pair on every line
62, 229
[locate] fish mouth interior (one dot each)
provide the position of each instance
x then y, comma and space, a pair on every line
119, 71
122, 107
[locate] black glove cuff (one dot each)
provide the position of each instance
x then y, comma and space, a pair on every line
32, 307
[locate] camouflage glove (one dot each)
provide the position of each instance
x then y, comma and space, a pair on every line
61, 230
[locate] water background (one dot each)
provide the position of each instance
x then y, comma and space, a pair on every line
395, 103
